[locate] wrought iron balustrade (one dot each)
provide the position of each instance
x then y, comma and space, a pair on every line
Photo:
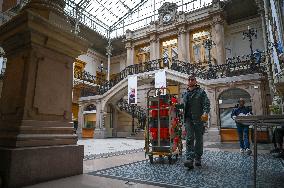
235, 66
137, 112
1, 76
84, 76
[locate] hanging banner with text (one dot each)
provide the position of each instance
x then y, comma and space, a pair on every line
132, 90
161, 80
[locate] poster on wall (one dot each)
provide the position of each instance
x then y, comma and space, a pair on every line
161, 81
132, 90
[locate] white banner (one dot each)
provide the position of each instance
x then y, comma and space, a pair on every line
132, 90
160, 79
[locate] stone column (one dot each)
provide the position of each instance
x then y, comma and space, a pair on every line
182, 55
80, 120
187, 44
130, 54
153, 48
129, 48
99, 130
211, 93
219, 37
158, 48
36, 133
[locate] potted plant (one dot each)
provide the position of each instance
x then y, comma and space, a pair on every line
88, 130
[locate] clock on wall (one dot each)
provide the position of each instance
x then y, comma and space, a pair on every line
167, 18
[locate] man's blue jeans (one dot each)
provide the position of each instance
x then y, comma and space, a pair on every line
243, 132
194, 139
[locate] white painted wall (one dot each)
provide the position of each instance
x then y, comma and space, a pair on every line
234, 43
92, 60
118, 63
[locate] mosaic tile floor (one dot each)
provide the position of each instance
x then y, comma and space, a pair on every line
219, 169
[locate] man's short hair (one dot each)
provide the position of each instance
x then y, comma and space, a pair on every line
191, 76
241, 99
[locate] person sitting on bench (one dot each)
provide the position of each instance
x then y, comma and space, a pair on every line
278, 134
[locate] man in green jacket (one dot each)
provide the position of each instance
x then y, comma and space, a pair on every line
196, 109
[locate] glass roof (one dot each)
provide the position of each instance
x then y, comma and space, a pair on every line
117, 16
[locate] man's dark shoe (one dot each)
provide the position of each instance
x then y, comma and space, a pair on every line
248, 151
189, 164
276, 150
279, 155
197, 162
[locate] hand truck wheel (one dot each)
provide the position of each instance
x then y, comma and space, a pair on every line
151, 159
170, 159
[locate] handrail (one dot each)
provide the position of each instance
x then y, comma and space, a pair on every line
137, 112
85, 76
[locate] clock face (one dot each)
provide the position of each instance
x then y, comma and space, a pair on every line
167, 18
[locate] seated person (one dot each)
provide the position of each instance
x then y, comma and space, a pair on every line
278, 134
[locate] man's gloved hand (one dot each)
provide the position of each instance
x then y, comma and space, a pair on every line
234, 117
204, 117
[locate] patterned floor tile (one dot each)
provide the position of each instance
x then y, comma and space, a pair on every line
219, 169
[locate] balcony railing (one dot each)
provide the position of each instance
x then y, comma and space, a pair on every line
85, 76
233, 67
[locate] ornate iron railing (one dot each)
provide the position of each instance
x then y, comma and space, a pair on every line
1, 76
136, 111
233, 67
85, 76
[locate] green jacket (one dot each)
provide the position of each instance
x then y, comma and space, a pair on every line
196, 103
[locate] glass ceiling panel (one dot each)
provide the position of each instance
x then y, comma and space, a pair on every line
109, 11
120, 15
148, 12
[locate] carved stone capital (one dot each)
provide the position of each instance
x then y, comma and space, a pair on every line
217, 20
153, 38
182, 30
128, 45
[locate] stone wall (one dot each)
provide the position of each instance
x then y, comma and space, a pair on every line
234, 43
118, 63
93, 60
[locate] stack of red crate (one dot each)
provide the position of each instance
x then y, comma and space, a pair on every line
163, 112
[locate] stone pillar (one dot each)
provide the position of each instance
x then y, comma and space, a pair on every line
99, 130
219, 38
80, 120
129, 48
130, 54
211, 93
182, 54
36, 133
153, 48
158, 48
187, 44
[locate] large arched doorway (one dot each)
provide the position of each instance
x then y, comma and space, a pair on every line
228, 100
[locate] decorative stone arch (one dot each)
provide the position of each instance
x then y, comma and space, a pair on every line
88, 106
227, 100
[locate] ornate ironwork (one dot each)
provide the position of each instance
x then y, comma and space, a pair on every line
250, 34
3, 62
85, 76
88, 91
208, 44
137, 112
235, 66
